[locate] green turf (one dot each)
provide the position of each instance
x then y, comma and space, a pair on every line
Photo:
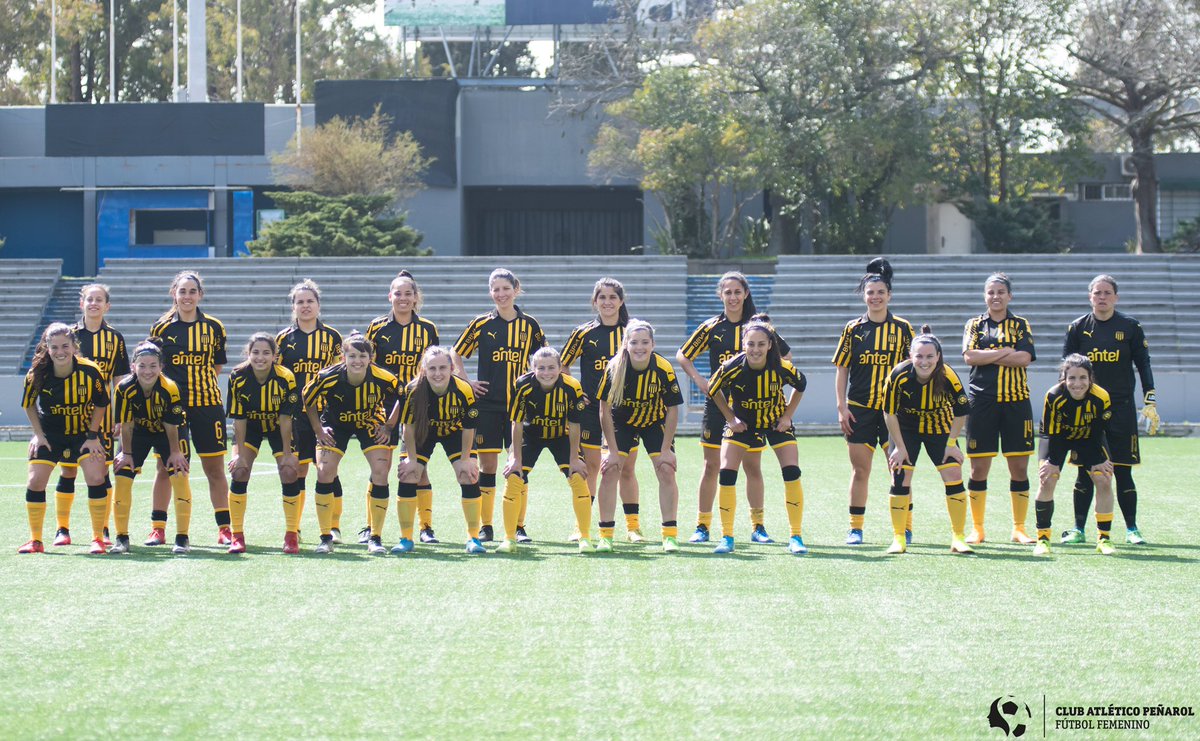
844, 642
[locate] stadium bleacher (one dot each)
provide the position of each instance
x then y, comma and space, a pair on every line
25, 286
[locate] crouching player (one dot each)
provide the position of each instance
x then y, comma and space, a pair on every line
1075, 415
546, 409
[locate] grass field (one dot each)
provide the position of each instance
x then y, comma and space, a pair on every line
844, 642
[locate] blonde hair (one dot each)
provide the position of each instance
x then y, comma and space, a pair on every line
420, 390
543, 353
620, 362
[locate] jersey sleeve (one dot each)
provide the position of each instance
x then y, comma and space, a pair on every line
28, 395
233, 405
316, 390
1071, 340
290, 406
1025, 343
782, 345
574, 346
722, 377
538, 337
470, 410
434, 337
121, 358
672, 395
605, 383
219, 340
516, 404
959, 402
100, 396
173, 411
575, 405
845, 347
970, 339
697, 343
1140, 351
891, 392
793, 377
468, 341
1047, 424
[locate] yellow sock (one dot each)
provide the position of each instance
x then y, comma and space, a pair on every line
756, 513
291, 512
122, 503
581, 502
705, 519
324, 501
424, 507
898, 506
956, 505
108, 514
303, 496
1020, 507
1044, 533
406, 508
63, 500
1103, 525
37, 515
335, 512
978, 507
633, 521
908, 520
524, 504
182, 490
487, 504
237, 511
727, 502
793, 495
857, 519
98, 509
379, 508
512, 504
606, 532
670, 531
471, 513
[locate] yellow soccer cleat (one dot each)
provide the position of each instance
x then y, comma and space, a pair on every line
1042, 548
506, 546
1105, 547
898, 546
634, 536
960, 547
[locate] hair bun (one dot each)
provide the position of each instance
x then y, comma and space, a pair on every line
155, 341
881, 267
404, 274
926, 329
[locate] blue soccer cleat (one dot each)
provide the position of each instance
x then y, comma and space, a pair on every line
700, 536
796, 546
760, 535
854, 537
908, 537
475, 547
725, 546
404, 546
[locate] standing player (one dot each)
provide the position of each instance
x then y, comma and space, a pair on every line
870, 346
262, 401
748, 389
66, 399
722, 337
594, 344
104, 346
1115, 343
998, 345
400, 337
193, 354
1074, 417
305, 348
505, 339
925, 405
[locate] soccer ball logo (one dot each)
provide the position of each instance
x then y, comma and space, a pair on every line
1009, 716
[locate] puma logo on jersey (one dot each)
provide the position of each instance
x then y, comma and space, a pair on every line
594, 343
492, 335
1087, 334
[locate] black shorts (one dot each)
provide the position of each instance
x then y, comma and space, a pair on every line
995, 425
145, 441
255, 436
559, 447
1083, 453
451, 446
304, 439
591, 434
493, 431
868, 427
712, 427
651, 437
760, 439
342, 436
206, 427
935, 448
1122, 436
66, 450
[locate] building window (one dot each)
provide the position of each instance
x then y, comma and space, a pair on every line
1105, 192
1176, 207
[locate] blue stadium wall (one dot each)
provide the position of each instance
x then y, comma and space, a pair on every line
43, 222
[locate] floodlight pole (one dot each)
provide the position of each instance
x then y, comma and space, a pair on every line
197, 52
174, 50
239, 51
53, 51
112, 51
299, 114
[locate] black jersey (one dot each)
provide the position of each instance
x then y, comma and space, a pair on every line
1114, 346
262, 402
723, 339
306, 354
343, 404
916, 405
646, 395
997, 381
105, 347
451, 412
593, 344
1065, 418
65, 405
546, 414
149, 411
756, 395
504, 349
191, 353
870, 350
398, 347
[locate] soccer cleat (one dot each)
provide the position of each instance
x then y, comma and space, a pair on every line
522, 536
575, 536
375, 546
854, 537
404, 546
237, 543
107, 539
120, 546
335, 532
325, 546
700, 536
796, 546
182, 545
1134, 537
427, 535
506, 546
224, 535
62, 537
1074, 536
97, 547
157, 536
1020, 536
474, 547
486, 534
976, 537
33, 546
584, 545
898, 546
725, 546
908, 537
759, 535
605, 545
1042, 548
1105, 547
363, 535
670, 544
960, 546
634, 536
291, 543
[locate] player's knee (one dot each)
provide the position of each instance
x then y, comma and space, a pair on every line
791, 473
728, 477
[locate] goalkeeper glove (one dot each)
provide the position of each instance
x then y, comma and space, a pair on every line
1150, 413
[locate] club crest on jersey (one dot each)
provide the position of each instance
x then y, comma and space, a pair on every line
1119, 336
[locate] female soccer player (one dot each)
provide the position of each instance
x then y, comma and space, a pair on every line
722, 337
998, 345
439, 409
352, 399
639, 404
748, 389
594, 344
925, 405
546, 410
262, 401
305, 348
66, 399
1075, 416
1115, 343
193, 354
505, 339
150, 412
870, 346
400, 337
104, 346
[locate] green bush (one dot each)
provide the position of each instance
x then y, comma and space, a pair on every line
337, 226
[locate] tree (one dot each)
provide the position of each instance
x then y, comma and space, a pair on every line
513, 59
342, 226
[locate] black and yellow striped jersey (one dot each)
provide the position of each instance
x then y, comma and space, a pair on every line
306, 354
451, 412
1067, 418
756, 395
105, 347
984, 333
149, 411
398, 347
65, 405
723, 339
262, 402
504, 350
1115, 347
546, 414
593, 345
191, 353
870, 350
647, 393
363, 407
917, 406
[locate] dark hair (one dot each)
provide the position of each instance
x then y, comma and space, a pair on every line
1103, 278
615, 285
180, 277
1076, 360
149, 346
999, 278
405, 275
257, 337
938, 377
762, 323
748, 308
420, 391
42, 365
305, 285
356, 341
878, 270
